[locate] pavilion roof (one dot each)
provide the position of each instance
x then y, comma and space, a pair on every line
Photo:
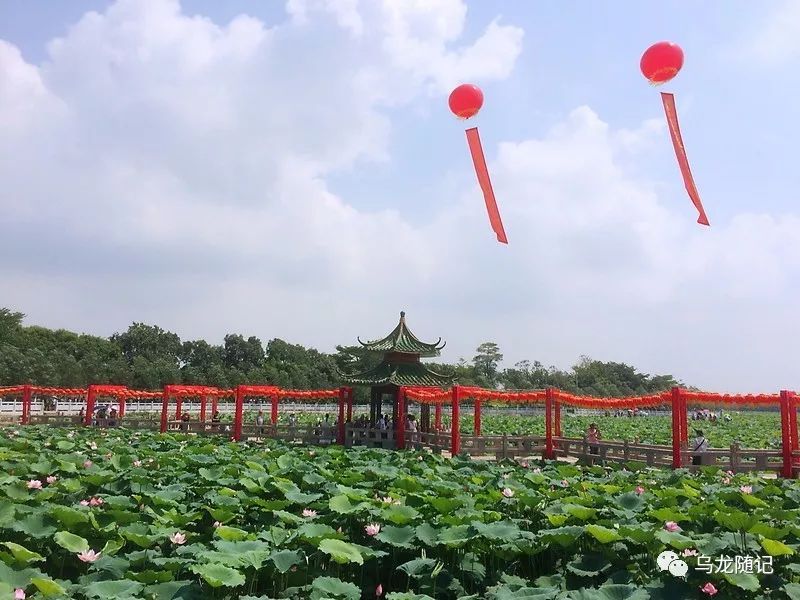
402, 340
411, 374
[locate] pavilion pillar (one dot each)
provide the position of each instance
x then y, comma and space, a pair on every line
425, 417
203, 399
455, 431
684, 420
164, 407
349, 404
273, 416
342, 397
677, 405
437, 418
786, 434
214, 405
793, 426
400, 422
178, 406
121, 400
373, 394
237, 417
477, 418
548, 423
557, 420
91, 398
27, 401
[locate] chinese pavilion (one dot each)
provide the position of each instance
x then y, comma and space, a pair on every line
400, 366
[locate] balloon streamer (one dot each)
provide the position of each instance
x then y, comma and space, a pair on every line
680, 153
479, 160
465, 101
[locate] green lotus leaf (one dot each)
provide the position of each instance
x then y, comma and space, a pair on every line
219, 575
341, 552
23, 555
71, 542
122, 589
331, 587
396, 536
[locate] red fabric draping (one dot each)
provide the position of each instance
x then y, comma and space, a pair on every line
479, 160
680, 152
422, 395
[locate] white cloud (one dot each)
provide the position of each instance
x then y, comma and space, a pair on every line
166, 168
777, 39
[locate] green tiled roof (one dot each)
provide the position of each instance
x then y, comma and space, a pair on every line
402, 340
415, 374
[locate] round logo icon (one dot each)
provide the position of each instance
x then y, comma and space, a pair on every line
670, 561
666, 557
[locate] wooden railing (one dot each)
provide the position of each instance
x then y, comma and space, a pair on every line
369, 436
321, 435
500, 447
735, 458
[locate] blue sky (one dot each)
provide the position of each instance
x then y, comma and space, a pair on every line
604, 256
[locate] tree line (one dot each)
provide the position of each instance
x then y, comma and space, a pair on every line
149, 357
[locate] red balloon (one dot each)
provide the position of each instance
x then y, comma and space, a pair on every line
466, 100
661, 62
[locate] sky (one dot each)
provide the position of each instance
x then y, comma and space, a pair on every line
291, 169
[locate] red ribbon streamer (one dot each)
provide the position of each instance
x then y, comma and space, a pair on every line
680, 153
479, 160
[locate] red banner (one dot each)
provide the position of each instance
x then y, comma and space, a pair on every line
680, 153
479, 160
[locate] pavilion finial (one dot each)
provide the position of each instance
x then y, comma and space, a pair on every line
402, 314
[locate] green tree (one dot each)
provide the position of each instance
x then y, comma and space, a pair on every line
10, 324
148, 342
486, 361
243, 355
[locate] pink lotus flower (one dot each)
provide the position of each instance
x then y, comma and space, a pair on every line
690, 552
307, 512
508, 492
379, 591
84, 503
19, 594
709, 589
96, 502
87, 464
524, 464
137, 463
217, 524
34, 484
372, 529
671, 526
726, 481
51, 479
177, 538
639, 490
746, 489
565, 483
89, 556
729, 473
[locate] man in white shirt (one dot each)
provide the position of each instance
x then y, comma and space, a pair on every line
700, 445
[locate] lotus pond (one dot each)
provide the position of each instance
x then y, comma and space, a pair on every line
121, 514
750, 429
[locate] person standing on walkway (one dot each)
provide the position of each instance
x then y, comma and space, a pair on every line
700, 446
